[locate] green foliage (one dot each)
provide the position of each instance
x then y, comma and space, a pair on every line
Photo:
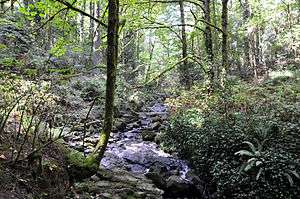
92, 89
10, 62
61, 71
243, 141
59, 49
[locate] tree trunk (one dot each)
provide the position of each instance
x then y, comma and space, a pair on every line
224, 41
112, 56
82, 22
148, 67
184, 70
129, 51
12, 7
49, 43
215, 36
209, 43
246, 17
2, 6
92, 31
98, 53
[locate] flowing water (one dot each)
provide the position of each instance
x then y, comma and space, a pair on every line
129, 150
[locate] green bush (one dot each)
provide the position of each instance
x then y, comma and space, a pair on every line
244, 143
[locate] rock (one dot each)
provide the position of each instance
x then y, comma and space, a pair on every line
176, 186
118, 184
144, 122
90, 140
148, 135
133, 125
104, 174
157, 173
155, 125
140, 194
107, 195
194, 179
158, 138
120, 124
156, 119
95, 178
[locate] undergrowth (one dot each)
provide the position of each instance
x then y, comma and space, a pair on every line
244, 141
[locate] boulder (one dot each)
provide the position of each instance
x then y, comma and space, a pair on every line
157, 173
118, 184
176, 186
148, 135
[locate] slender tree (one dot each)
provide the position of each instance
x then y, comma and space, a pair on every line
92, 27
98, 53
112, 56
224, 39
209, 42
2, 5
184, 68
82, 21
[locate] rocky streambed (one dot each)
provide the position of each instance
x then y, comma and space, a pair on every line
134, 166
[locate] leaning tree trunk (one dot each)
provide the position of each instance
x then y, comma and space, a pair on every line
112, 56
224, 41
184, 70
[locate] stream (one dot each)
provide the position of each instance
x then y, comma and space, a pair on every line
132, 149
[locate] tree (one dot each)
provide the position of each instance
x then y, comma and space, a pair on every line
91, 32
112, 57
184, 68
82, 21
224, 39
209, 42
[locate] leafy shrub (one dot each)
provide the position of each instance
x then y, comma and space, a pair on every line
243, 142
92, 89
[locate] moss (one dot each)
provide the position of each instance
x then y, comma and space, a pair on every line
79, 166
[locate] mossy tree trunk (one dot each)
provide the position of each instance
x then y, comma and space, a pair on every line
209, 43
224, 41
184, 68
112, 56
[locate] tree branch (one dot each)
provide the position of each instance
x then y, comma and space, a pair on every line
161, 24
4, 1
166, 70
207, 23
170, 1
173, 25
81, 12
51, 18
